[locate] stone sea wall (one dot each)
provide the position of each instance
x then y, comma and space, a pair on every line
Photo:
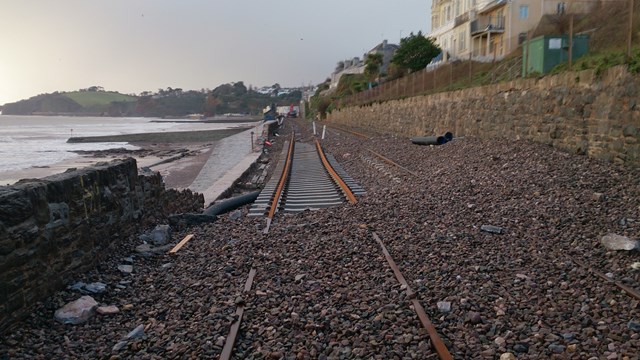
55, 227
578, 111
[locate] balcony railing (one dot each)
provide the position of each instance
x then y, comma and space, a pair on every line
487, 24
461, 19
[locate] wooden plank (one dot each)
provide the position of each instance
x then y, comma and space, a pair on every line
181, 244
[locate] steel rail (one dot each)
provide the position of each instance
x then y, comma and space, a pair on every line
350, 132
629, 290
393, 163
281, 183
235, 327
347, 191
437, 342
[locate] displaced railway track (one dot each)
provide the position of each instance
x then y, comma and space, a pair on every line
308, 180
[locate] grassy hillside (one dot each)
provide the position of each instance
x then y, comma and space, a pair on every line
88, 99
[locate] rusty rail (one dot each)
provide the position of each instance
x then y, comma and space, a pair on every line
629, 290
350, 132
281, 183
235, 327
437, 342
393, 163
345, 189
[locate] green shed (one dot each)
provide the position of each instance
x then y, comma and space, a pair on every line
541, 54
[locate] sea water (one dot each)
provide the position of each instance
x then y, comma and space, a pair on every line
31, 141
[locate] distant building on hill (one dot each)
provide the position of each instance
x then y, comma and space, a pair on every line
387, 50
356, 66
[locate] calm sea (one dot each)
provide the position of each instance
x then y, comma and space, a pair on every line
28, 141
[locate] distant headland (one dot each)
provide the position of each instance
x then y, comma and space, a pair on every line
169, 102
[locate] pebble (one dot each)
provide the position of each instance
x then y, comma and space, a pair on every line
127, 269
96, 287
107, 310
492, 229
618, 242
120, 345
77, 312
474, 318
507, 356
136, 333
220, 341
235, 215
444, 306
521, 348
558, 349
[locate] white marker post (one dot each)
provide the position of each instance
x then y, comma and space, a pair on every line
324, 128
314, 127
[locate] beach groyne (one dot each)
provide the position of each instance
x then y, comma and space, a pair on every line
582, 112
62, 225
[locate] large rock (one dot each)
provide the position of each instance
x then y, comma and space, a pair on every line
618, 242
77, 312
146, 250
161, 234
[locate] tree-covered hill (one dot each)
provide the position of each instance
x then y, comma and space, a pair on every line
169, 102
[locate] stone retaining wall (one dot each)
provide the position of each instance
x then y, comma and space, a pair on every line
579, 112
55, 227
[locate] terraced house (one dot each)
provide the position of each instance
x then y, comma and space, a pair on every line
486, 30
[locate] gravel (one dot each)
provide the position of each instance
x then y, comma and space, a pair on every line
323, 288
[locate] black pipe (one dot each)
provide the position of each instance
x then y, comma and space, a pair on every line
209, 215
448, 136
429, 140
231, 204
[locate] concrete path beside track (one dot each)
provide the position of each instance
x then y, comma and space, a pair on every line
231, 157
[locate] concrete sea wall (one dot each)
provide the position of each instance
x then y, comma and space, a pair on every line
578, 111
55, 227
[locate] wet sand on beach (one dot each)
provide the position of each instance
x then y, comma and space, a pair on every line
178, 156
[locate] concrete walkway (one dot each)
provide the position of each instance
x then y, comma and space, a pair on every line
230, 158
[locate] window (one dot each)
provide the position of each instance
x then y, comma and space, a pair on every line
462, 43
524, 12
560, 9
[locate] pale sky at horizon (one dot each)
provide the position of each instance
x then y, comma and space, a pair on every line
132, 46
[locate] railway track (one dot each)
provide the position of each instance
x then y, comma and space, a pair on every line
309, 180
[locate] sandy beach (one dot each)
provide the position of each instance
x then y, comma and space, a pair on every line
178, 156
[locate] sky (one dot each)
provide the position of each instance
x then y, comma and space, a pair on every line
132, 46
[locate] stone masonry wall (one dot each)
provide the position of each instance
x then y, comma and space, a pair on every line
579, 112
55, 227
